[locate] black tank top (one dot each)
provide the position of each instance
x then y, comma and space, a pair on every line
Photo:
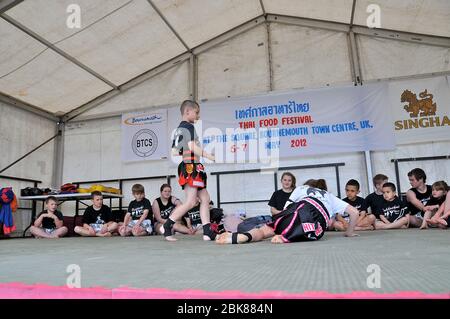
422, 197
165, 210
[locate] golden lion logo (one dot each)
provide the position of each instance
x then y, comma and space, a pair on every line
425, 106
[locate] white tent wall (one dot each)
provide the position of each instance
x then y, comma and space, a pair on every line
383, 58
20, 132
92, 152
303, 57
436, 170
246, 65
236, 67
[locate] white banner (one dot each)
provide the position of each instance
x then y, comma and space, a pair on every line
420, 110
144, 136
264, 128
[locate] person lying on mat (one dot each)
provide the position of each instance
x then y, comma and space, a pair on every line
97, 219
49, 223
305, 217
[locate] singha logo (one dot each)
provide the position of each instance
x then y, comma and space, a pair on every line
424, 106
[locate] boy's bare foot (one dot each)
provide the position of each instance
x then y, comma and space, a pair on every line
442, 222
359, 228
224, 238
227, 238
424, 226
277, 240
107, 234
170, 238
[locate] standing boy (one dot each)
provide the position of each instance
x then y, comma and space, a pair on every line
191, 173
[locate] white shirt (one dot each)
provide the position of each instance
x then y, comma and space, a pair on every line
333, 204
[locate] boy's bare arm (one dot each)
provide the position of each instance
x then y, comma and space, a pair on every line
362, 214
411, 198
38, 222
58, 222
143, 217
353, 212
157, 212
274, 211
384, 219
127, 218
188, 222
194, 147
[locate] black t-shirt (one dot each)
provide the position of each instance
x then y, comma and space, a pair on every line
136, 209
357, 203
279, 199
93, 216
184, 134
394, 210
194, 215
422, 197
375, 202
436, 201
165, 210
48, 222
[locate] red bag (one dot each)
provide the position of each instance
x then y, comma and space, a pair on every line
69, 188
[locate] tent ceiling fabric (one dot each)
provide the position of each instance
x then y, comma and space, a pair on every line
50, 22
379, 58
331, 10
312, 54
122, 39
417, 16
52, 83
172, 83
16, 48
197, 21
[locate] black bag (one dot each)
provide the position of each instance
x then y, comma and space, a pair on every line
25, 191
31, 191
36, 191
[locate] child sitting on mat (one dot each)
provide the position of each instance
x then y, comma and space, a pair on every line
138, 219
394, 212
49, 223
97, 219
365, 221
440, 198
